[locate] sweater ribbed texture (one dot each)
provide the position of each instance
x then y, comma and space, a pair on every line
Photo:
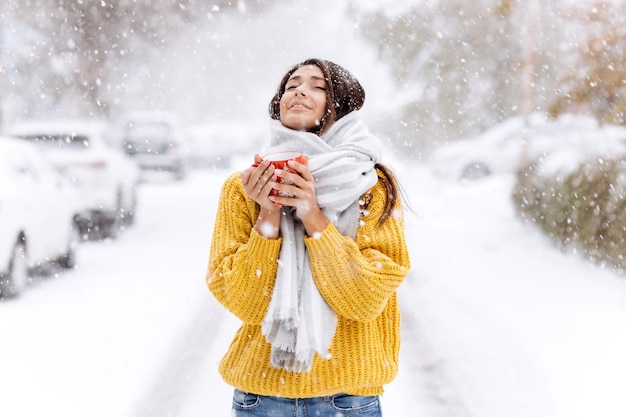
357, 278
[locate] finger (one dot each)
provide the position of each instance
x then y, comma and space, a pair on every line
301, 168
246, 175
265, 177
298, 179
269, 185
290, 191
260, 169
282, 201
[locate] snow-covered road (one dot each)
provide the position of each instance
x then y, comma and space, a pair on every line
103, 339
496, 320
519, 328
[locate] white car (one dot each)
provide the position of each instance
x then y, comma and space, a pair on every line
84, 151
38, 209
500, 149
496, 150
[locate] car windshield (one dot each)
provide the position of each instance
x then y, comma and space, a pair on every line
147, 130
59, 140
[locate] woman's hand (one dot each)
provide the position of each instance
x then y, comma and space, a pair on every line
257, 183
302, 188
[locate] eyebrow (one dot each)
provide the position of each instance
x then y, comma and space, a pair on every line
298, 77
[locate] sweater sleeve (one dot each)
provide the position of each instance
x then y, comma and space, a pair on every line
357, 277
242, 263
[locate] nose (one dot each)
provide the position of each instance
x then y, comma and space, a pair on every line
298, 90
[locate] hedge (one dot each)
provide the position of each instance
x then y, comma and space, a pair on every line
583, 210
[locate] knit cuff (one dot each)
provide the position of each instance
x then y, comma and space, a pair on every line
326, 242
260, 247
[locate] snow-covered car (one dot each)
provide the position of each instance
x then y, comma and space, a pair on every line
501, 149
217, 144
496, 150
156, 141
38, 214
84, 151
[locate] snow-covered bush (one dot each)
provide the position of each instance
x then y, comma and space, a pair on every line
583, 209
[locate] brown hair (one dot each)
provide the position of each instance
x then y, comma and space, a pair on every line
344, 95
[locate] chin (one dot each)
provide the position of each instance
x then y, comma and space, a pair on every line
299, 125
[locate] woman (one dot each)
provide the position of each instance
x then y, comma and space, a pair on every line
312, 273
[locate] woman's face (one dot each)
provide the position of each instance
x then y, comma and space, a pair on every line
303, 103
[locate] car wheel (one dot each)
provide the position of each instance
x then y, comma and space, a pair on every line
127, 213
110, 226
68, 259
14, 280
111, 221
475, 170
180, 172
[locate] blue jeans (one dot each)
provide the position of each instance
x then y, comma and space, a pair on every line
253, 405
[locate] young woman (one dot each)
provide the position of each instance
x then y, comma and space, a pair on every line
312, 273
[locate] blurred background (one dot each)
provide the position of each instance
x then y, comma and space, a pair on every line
504, 120
434, 70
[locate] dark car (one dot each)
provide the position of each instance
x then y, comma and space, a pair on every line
155, 142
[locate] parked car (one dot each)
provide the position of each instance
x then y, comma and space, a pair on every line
84, 152
38, 215
218, 144
156, 141
500, 149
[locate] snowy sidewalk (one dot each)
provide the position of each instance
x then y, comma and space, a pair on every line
520, 328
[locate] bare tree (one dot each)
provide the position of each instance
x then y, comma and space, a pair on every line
75, 48
2, 67
597, 87
460, 60
531, 36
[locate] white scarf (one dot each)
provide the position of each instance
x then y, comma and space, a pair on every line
298, 321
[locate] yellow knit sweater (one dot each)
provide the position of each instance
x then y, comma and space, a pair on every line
357, 278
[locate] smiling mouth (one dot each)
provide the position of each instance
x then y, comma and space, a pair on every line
299, 106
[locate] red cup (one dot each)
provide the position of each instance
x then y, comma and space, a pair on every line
280, 161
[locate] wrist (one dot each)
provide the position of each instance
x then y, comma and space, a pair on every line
268, 223
315, 223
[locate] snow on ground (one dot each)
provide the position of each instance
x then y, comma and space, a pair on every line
496, 320
520, 328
